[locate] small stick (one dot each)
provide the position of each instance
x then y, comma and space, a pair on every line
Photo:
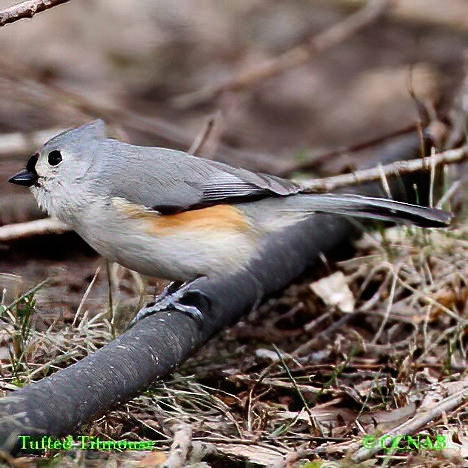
319, 159
398, 168
26, 9
201, 139
449, 194
32, 228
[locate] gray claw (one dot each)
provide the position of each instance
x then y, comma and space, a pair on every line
169, 300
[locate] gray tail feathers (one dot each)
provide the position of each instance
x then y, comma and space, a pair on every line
374, 208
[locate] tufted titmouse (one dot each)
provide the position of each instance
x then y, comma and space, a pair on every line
168, 214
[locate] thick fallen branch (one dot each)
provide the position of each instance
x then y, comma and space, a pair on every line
26, 10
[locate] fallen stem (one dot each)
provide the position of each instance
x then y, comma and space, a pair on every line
26, 9
398, 168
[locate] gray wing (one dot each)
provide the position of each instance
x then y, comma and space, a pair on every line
226, 183
172, 181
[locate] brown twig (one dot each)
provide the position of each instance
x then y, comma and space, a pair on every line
17, 231
398, 168
26, 9
318, 160
206, 132
291, 58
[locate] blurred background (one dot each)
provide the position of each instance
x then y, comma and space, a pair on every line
135, 64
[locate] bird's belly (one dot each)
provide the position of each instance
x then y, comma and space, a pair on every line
177, 257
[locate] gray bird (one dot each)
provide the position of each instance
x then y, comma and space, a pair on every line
168, 214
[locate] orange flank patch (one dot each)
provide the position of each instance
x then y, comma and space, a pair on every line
215, 218
222, 217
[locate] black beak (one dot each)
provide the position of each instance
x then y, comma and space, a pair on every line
27, 177
24, 177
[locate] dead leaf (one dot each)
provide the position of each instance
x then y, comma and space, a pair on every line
334, 292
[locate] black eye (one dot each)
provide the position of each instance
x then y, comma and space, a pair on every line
54, 158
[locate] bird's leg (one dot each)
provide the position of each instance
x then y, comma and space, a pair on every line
171, 288
171, 299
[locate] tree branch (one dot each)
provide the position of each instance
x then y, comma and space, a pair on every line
18, 231
26, 9
398, 168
